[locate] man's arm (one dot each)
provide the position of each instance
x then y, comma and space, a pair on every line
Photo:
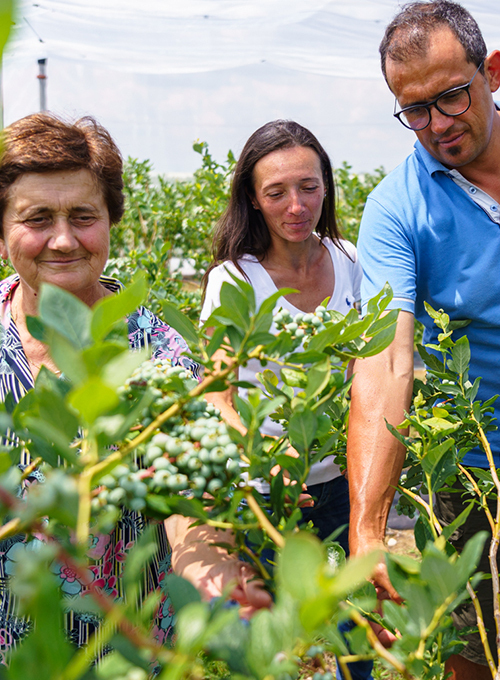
381, 390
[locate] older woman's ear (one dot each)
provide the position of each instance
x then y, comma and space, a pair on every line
4, 253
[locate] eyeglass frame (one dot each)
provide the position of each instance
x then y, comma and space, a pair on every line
434, 102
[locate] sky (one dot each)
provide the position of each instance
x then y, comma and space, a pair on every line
158, 116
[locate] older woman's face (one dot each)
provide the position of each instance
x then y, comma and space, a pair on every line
56, 230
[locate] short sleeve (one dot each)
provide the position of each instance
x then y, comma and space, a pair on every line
386, 254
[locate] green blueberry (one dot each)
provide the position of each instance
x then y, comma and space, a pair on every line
109, 481
204, 455
117, 496
194, 464
161, 463
174, 447
214, 485
209, 441
206, 471
231, 449
137, 504
218, 455
233, 467
160, 478
140, 489
119, 471
199, 482
177, 482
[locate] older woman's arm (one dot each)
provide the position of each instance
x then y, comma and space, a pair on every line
210, 568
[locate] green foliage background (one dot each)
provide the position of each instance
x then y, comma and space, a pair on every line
166, 221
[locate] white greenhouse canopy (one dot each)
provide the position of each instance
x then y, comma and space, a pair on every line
326, 37
160, 74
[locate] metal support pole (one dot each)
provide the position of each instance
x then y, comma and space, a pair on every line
42, 77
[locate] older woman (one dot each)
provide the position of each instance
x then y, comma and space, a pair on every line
60, 192
280, 231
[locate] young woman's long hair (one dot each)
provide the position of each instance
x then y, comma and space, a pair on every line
242, 230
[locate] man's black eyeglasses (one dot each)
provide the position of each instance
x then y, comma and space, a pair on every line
453, 102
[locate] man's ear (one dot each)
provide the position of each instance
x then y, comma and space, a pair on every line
492, 70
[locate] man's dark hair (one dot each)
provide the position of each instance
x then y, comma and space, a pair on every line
408, 33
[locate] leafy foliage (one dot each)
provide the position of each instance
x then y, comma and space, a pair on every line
168, 224
134, 434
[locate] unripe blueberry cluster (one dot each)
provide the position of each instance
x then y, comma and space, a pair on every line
303, 325
193, 453
166, 383
323, 676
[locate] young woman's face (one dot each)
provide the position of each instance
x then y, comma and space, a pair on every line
289, 191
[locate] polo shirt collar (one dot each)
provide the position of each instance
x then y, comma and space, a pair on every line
431, 164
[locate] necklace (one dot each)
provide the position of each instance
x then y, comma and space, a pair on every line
14, 309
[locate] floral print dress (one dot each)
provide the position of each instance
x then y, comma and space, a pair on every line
107, 552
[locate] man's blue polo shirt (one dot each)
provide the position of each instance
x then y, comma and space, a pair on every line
428, 238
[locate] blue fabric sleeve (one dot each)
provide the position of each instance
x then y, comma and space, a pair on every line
386, 254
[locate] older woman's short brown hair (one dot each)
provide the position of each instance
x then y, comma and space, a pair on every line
42, 142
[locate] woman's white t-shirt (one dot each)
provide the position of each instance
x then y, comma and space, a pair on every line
348, 275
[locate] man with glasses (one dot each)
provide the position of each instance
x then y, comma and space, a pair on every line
432, 229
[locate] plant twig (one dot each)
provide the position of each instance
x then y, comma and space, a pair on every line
375, 643
482, 629
264, 522
482, 497
116, 456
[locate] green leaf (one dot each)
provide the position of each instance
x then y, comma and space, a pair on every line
434, 455
302, 429
378, 343
460, 355
117, 370
216, 340
269, 303
99, 355
182, 324
93, 399
458, 521
180, 591
468, 560
6, 21
384, 322
36, 328
66, 314
114, 308
192, 622
318, 377
326, 338
353, 574
299, 565
235, 306
429, 359
293, 377
67, 357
